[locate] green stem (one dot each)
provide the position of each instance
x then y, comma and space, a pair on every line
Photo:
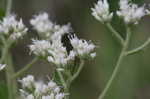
4, 53
136, 50
115, 33
78, 71
118, 64
6, 57
11, 83
9, 6
9, 71
62, 79
27, 67
63, 82
72, 78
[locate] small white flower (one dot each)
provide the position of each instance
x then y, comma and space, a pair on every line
101, 11
2, 66
12, 28
61, 30
46, 28
27, 82
58, 54
130, 12
40, 88
40, 47
82, 47
42, 24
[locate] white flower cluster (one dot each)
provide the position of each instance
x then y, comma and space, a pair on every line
40, 47
2, 66
58, 54
54, 52
32, 89
53, 48
12, 28
46, 27
101, 11
130, 12
82, 47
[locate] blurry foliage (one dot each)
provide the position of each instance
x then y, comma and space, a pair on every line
3, 91
2, 13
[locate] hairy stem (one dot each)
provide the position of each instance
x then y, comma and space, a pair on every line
118, 64
27, 67
115, 33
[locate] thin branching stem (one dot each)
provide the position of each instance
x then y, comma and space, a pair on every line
64, 83
115, 33
62, 79
118, 64
26, 68
78, 71
73, 77
140, 48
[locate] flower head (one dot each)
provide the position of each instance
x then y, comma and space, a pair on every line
46, 28
12, 28
27, 82
82, 47
59, 55
130, 12
42, 24
40, 47
101, 11
40, 90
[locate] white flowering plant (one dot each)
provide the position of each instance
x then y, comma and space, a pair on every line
67, 58
50, 47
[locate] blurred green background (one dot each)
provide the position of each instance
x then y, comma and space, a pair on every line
133, 80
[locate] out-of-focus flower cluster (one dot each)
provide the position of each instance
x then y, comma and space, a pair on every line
130, 12
11, 28
32, 89
52, 47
